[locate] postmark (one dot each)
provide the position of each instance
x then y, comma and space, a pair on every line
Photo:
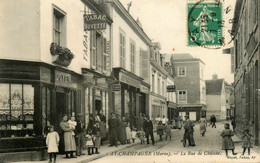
205, 23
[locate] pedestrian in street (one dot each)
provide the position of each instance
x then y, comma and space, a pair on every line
164, 120
96, 136
80, 136
141, 135
189, 130
122, 131
148, 129
89, 142
210, 124
72, 124
168, 131
52, 142
160, 130
113, 127
102, 125
227, 142
247, 142
128, 133
233, 123
69, 140
133, 134
179, 122
203, 125
214, 120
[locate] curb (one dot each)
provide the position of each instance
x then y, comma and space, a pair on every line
108, 153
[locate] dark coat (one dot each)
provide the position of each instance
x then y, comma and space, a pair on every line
148, 126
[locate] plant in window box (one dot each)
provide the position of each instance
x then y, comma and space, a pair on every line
64, 55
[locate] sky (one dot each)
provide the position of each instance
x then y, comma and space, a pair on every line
165, 21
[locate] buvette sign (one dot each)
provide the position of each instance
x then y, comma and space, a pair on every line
95, 22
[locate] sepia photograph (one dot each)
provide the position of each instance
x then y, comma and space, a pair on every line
129, 81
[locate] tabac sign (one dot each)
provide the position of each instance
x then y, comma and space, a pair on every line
95, 22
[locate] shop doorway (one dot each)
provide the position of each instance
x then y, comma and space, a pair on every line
98, 105
60, 109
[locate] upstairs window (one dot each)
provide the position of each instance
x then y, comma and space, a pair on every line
182, 97
59, 26
182, 71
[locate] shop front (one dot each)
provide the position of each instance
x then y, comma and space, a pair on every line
195, 112
33, 95
96, 94
172, 111
158, 107
128, 100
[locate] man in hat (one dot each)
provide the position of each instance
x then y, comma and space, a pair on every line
79, 132
113, 129
188, 126
148, 129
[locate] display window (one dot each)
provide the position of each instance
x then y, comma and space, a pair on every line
16, 110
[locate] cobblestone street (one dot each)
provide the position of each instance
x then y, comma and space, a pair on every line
207, 149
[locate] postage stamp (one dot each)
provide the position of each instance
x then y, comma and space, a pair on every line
205, 23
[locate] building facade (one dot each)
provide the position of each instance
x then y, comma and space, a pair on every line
190, 85
246, 71
130, 63
216, 98
47, 71
158, 82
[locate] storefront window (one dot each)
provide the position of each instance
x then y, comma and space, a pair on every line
16, 110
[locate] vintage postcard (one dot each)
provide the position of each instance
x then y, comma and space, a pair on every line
132, 81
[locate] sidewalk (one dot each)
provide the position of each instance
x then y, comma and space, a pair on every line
104, 151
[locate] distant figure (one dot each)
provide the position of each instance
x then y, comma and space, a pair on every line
96, 136
233, 123
133, 134
72, 124
128, 133
164, 120
227, 142
52, 142
188, 134
160, 129
203, 125
247, 142
213, 120
89, 142
141, 135
168, 131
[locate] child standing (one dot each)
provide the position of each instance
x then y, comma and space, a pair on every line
168, 131
89, 142
227, 142
160, 128
141, 135
247, 142
72, 124
133, 134
97, 136
128, 133
52, 142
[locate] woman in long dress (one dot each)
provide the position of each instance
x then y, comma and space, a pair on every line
203, 125
69, 140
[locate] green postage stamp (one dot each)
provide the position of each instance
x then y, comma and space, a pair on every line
205, 23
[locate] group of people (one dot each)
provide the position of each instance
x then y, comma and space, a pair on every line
125, 131
74, 138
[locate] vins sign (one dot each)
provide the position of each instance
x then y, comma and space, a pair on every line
171, 88
95, 22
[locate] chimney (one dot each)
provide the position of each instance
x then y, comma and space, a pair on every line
215, 76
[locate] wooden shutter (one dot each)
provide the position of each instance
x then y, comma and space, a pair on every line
145, 65
93, 49
108, 54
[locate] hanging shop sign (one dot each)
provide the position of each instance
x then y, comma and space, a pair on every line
116, 87
171, 88
95, 22
128, 80
102, 83
62, 78
144, 89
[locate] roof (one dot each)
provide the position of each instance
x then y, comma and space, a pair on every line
214, 87
184, 57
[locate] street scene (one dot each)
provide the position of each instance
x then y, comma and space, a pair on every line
154, 81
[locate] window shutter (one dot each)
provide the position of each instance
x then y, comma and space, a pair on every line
93, 49
108, 55
145, 65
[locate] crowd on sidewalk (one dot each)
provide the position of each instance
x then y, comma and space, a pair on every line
75, 137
